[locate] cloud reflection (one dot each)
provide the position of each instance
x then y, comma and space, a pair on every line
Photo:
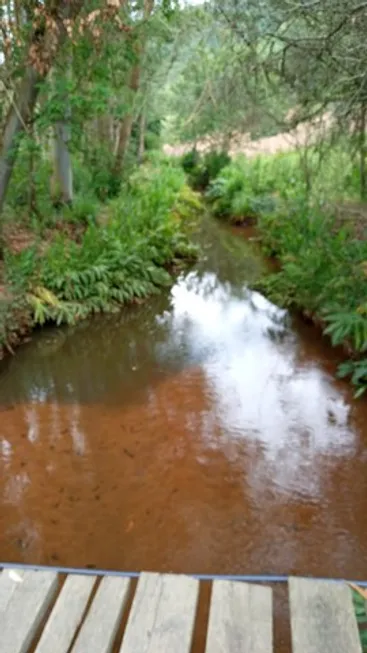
259, 390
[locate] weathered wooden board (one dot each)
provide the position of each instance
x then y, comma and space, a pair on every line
66, 615
162, 615
322, 617
99, 629
9, 580
240, 618
27, 605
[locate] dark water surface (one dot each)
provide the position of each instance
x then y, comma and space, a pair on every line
199, 432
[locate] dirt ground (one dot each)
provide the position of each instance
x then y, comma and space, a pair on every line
304, 134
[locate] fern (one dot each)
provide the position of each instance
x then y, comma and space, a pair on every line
357, 370
347, 326
146, 229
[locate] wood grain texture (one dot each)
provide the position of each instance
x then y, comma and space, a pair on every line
240, 618
99, 629
322, 617
66, 615
162, 615
27, 605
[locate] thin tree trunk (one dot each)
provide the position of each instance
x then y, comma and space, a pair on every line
134, 83
32, 195
141, 147
362, 151
105, 130
62, 178
127, 123
19, 113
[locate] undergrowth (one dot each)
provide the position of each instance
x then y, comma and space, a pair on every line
323, 262
144, 235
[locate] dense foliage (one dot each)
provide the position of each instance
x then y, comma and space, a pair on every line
91, 217
144, 232
323, 258
202, 169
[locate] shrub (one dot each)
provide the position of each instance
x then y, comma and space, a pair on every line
323, 263
146, 229
202, 169
239, 192
84, 209
323, 271
190, 160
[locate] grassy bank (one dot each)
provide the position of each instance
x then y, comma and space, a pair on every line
125, 254
316, 229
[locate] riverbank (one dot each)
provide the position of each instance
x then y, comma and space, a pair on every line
322, 273
320, 247
65, 275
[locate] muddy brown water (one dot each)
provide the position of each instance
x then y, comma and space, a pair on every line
200, 432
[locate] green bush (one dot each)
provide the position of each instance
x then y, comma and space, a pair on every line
103, 182
250, 186
202, 169
190, 160
146, 229
323, 272
323, 264
18, 196
84, 209
240, 192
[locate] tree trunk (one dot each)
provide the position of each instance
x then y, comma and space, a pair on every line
105, 131
18, 115
134, 83
362, 151
32, 196
62, 178
141, 147
127, 123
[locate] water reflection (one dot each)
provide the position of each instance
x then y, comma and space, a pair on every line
198, 432
259, 391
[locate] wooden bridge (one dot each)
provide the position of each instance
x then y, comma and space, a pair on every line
47, 612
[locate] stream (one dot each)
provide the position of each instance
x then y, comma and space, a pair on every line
202, 431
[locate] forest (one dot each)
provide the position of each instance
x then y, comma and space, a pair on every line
123, 121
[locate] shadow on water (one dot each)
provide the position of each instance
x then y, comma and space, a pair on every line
200, 432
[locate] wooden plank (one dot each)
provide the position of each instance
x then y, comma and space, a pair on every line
99, 629
322, 617
162, 615
25, 609
67, 615
9, 580
240, 618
